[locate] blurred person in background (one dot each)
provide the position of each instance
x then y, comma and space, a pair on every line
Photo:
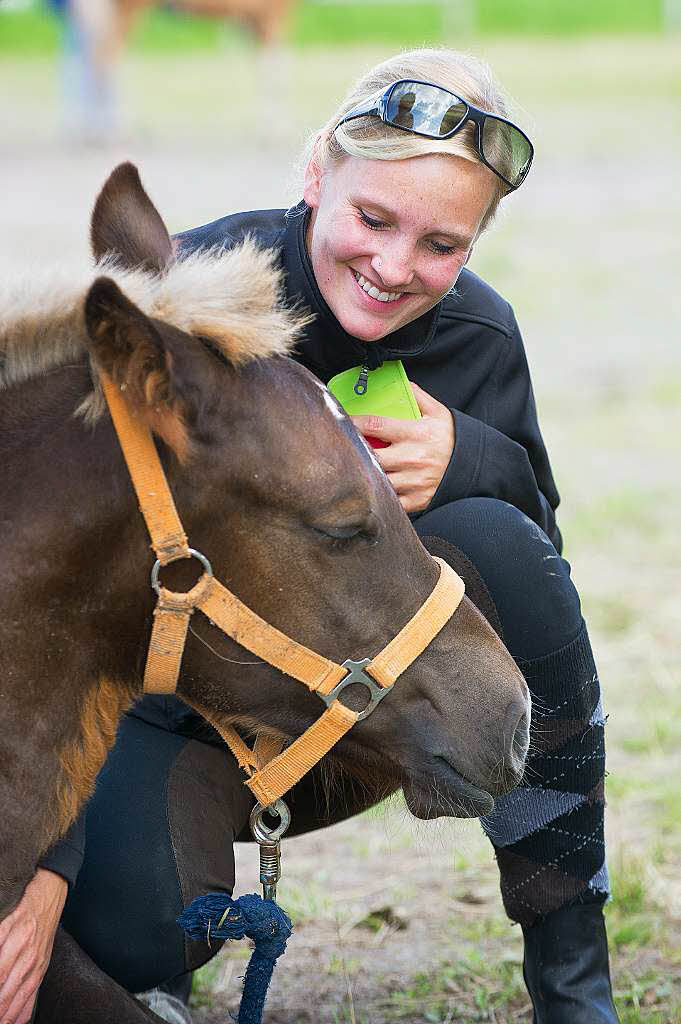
399, 185
94, 33
90, 44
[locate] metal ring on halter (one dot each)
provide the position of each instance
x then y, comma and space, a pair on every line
261, 832
356, 674
156, 568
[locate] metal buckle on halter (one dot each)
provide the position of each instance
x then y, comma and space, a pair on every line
193, 553
356, 674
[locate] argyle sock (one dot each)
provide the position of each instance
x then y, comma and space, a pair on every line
548, 833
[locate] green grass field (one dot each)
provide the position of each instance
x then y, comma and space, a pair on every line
589, 253
343, 22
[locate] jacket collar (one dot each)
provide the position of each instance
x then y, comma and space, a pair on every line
326, 348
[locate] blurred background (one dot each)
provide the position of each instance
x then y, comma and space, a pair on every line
398, 920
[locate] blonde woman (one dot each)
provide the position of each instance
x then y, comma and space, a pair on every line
400, 184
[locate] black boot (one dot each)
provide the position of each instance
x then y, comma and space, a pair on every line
566, 967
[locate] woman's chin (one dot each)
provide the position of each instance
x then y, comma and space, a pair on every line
368, 329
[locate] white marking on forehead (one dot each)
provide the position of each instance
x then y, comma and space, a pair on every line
372, 456
330, 401
337, 409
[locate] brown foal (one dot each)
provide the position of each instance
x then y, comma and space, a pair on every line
276, 488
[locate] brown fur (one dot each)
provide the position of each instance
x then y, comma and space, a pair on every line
124, 218
82, 757
233, 298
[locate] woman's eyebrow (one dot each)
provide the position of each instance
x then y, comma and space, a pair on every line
460, 241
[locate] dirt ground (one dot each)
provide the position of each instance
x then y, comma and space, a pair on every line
398, 920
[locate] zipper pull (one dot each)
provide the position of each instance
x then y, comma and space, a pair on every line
362, 384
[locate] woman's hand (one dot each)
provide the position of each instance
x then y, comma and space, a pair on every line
26, 939
419, 450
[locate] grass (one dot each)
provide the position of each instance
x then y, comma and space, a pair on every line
312, 23
370, 23
668, 811
473, 988
567, 17
624, 510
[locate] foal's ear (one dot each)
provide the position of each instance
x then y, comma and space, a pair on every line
131, 348
126, 224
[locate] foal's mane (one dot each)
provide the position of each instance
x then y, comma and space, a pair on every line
233, 297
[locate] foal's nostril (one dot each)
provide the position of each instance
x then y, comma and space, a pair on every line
521, 736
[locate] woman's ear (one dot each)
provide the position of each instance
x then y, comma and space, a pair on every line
313, 177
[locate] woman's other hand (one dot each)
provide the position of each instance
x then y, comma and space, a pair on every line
26, 939
418, 451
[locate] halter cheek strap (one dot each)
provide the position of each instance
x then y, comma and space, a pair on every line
271, 773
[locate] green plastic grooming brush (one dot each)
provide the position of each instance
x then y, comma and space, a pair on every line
385, 391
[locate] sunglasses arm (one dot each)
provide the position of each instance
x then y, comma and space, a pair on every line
366, 111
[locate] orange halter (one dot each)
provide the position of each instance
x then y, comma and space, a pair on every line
271, 773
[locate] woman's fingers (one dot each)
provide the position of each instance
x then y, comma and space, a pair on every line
418, 451
21, 1007
18, 957
386, 429
26, 938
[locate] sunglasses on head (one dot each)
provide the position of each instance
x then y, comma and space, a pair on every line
436, 113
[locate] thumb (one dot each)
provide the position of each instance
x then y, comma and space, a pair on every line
428, 405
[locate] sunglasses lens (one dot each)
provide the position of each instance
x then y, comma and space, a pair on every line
506, 149
423, 108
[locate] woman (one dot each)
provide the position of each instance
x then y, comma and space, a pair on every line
399, 185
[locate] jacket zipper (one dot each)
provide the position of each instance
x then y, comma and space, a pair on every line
362, 385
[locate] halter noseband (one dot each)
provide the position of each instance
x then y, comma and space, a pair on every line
271, 773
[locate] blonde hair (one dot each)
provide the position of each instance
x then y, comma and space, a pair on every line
371, 139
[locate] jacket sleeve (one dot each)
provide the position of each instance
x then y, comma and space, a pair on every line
65, 857
504, 455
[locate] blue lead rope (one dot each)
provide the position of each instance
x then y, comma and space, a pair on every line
217, 916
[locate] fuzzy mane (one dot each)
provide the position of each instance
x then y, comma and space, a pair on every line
233, 297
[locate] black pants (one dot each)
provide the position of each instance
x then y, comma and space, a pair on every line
170, 802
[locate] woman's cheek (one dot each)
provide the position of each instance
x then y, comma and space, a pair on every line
349, 245
447, 277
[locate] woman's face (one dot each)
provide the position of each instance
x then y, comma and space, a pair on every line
388, 238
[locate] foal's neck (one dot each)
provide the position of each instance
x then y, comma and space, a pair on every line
72, 601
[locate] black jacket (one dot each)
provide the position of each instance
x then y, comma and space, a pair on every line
466, 352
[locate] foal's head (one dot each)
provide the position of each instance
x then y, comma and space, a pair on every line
274, 485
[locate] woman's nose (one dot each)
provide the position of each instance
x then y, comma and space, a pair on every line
395, 268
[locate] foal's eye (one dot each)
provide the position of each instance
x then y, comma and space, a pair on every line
339, 536
339, 532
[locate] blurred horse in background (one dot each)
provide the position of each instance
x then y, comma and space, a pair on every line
264, 18
95, 34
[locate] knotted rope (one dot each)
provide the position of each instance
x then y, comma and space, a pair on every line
217, 916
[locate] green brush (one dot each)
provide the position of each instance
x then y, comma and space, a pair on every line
382, 392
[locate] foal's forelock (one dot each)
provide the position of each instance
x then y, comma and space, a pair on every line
233, 298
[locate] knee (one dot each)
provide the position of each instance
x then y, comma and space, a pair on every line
530, 583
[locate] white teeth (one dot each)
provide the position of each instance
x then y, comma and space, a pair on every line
373, 291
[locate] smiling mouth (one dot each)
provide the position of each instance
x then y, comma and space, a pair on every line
373, 291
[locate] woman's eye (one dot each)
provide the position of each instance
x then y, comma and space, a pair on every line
442, 250
370, 221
